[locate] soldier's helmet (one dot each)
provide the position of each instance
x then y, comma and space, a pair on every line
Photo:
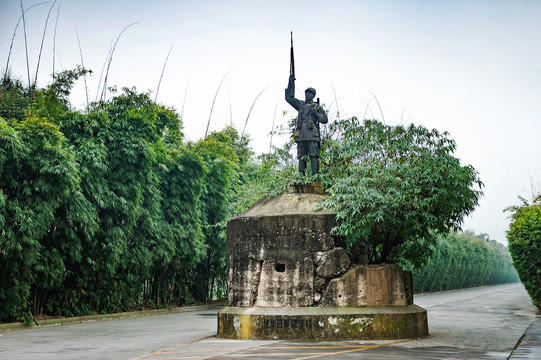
312, 90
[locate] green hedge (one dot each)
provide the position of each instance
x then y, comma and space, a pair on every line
525, 245
463, 260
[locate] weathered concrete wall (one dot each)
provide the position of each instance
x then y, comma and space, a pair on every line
271, 251
332, 263
271, 261
281, 253
371, 285
289, 278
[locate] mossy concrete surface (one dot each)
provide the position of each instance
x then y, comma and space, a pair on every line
323, 323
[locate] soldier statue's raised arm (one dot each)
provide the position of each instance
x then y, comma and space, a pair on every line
307, 134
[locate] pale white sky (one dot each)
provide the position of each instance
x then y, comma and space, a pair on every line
472, 68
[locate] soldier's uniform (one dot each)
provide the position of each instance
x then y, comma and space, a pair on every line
307, 134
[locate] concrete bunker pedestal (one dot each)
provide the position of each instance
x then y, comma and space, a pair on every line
289, 278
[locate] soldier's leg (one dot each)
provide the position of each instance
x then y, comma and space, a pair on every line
301, 152
313, 151
302, 166
314, 162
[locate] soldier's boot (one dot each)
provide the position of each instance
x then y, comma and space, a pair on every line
302, 166
314, 162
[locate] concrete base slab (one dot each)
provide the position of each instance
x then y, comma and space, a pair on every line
323, 323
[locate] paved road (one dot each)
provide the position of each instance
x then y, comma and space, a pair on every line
480, 323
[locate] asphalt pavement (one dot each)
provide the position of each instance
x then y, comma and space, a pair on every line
479, 323
529, 346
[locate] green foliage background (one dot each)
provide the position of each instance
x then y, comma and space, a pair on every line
462, 260
109, 208
524, 238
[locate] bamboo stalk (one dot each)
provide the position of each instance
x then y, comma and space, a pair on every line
336, 101
41, 48
251, 107
184, 101
230, 107
214, 100
82, 63
163, 70
54, 40
402, 117
102, 70
25, 44
11, 48
368, 108
272, 128
382, 117
111, 59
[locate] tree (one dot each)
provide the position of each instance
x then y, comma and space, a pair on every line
394, 188
15, 100
227, 158
524, 238
52, 102
38, 178
145, 186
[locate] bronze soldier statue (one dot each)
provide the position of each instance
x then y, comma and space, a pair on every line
307, 134
307, 126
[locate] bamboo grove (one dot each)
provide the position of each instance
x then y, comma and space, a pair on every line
108, 209
463, 260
